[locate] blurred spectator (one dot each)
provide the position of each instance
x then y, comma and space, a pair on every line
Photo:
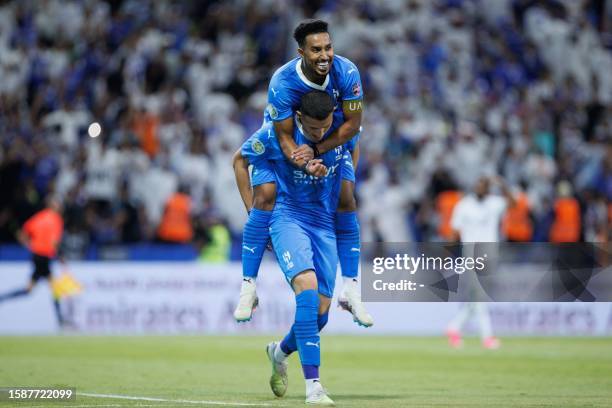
567, 222
129, 218
516, 224
175, 226
445, 203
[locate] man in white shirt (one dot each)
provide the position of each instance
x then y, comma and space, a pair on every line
476, 218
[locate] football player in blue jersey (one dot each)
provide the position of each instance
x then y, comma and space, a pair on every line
302, 228
317, 68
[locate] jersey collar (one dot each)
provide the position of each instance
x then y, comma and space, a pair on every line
298, 68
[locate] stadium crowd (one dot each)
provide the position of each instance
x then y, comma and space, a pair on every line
454, 89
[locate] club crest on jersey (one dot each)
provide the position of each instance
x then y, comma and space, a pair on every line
272, 111
356, 89
258, 147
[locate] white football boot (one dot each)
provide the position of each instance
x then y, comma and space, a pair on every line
248, 301
279, 379
350, 300
318, 396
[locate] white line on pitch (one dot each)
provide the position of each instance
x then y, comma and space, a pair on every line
90, 405
157, 405
181, 401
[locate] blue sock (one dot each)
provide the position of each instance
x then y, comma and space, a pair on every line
322, 321
306, 329
348, 242
310, 371
254, 240
14, 294
288, 344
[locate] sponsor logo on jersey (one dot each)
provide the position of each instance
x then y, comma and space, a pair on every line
301, 177
258, 147
287, 259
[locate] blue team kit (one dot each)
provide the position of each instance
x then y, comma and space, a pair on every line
302, 226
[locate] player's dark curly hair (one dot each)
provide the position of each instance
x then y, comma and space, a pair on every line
317, 105
307, 27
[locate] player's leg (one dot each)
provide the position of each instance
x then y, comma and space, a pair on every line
324, 304
37, 274
453, 331
305, 327
43, 271
325, 260
294, 254
349, 247
288, 345
481, 310
255, 237
484, 323
17, 293
294, 250
347, 231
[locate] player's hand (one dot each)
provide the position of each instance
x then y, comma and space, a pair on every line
315, 167
303, 152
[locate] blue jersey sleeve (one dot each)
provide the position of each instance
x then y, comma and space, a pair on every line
279, 99
350, 89
262, 147
256, 149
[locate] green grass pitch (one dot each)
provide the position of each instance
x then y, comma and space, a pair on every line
364, 371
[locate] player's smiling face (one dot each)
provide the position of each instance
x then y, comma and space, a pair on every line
317, 54
315, 129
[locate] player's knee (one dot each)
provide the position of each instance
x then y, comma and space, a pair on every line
347, 200
306, 280
264, 196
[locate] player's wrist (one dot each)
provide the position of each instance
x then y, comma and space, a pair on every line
305, 168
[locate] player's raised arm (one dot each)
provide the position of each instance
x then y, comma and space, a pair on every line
284, 133
351, 94
280, 111
355, 156
243, 181
352, 123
